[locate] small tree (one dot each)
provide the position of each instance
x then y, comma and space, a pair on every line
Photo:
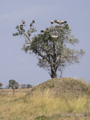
52, 46
29, 86
23, 86
14, 85
1, 84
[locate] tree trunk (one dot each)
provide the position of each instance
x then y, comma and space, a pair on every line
53, 72
13, 91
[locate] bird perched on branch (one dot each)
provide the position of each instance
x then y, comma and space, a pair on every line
23, 21
42, 30
21, 27
45, 30
54, 36
60, 22
33, 21
52, 21
31, 24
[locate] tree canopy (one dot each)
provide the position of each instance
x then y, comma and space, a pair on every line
1, 84
13, 84
52, 46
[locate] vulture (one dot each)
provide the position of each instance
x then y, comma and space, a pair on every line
21, 27
31, 24
60, 22
33, 21
52, 21
54, 36
42, 30
23, 21
45, 30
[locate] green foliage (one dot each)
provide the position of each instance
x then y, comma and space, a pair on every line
41, 118
1, 84
29, 86
13, 84
23, 86
51, 46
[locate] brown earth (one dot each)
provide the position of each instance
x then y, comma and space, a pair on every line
64, 86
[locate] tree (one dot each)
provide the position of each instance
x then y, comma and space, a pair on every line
29, 86
52, 46
23, 86
1, 84
14, 85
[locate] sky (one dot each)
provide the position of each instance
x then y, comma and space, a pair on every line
15, 63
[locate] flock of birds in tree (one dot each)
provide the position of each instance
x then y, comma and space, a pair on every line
33, 21
23, 23
58, 21
52, 22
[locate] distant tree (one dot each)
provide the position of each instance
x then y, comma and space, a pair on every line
23, 86
29, 86
51, 46
14, 85
1, 84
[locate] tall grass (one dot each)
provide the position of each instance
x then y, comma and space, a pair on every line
40, 104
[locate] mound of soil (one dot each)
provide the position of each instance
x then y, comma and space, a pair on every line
64, 86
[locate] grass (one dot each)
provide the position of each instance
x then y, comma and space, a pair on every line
37, 105
65, 86
43, 105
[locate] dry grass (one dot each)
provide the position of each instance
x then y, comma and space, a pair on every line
29, 108
43, 105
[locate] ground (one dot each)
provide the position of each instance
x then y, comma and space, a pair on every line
55, 99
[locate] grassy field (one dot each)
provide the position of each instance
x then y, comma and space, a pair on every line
43, 105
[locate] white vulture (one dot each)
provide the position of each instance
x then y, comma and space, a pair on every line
23, 21
54, 36
52, 21
60, 22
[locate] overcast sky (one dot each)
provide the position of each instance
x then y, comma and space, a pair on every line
14, 63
